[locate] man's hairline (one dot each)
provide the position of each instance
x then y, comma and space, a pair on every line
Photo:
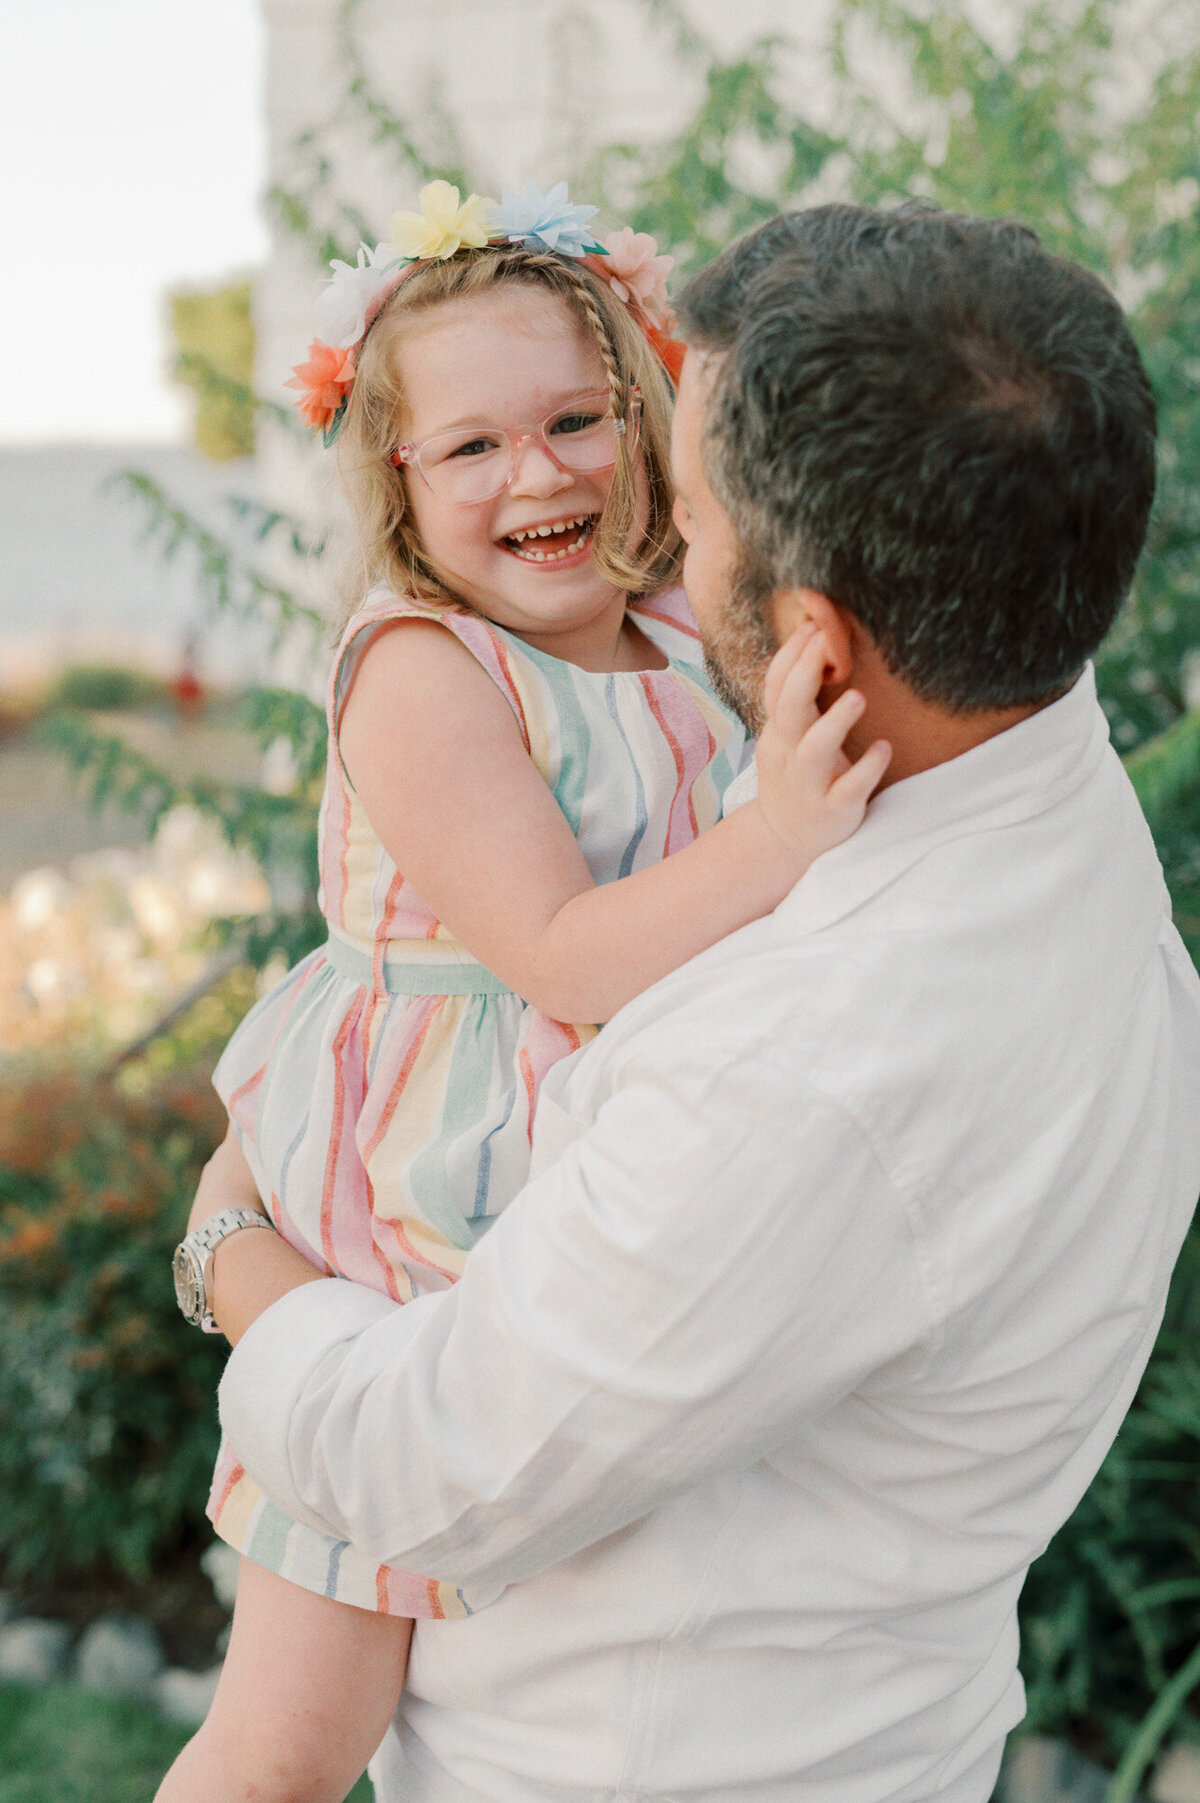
703, 358
710, 361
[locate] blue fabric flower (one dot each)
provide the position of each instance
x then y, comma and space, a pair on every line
543, 221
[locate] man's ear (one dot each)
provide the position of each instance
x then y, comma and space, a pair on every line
791, 607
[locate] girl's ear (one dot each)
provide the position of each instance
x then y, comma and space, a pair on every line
791, 607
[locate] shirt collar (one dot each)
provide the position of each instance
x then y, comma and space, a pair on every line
1012, 777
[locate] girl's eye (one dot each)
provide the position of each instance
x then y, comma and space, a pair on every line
472, 447
576, 422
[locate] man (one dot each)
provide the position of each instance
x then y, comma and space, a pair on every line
850, 1240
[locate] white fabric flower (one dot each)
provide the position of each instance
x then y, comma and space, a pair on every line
353, 293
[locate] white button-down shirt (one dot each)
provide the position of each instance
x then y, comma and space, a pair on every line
849, 1243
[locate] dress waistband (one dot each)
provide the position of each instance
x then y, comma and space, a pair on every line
407, 976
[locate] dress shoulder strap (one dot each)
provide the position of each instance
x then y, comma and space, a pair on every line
668, 619
492, 649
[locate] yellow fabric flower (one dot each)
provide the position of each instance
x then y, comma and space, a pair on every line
442, 225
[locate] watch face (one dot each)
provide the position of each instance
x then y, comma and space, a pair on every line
189, 1291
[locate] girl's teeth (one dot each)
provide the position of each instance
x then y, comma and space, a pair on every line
553, 556
517, 540
548, 531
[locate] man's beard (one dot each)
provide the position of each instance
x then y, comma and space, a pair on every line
742, 643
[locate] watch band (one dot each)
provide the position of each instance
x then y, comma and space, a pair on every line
193, 1253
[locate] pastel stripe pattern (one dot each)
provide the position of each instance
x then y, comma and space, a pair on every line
388, 1130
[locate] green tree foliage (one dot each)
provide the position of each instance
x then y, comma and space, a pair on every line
214, 336
280, 829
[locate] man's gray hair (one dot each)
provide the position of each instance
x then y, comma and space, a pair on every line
940, 426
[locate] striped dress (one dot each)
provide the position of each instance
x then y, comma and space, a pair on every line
384, 1091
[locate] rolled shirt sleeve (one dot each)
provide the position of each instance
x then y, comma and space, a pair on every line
717, 1259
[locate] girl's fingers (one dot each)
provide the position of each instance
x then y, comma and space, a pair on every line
821, 745
794, 708
783, 663
856, 786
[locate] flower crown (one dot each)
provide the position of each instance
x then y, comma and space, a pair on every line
353, 296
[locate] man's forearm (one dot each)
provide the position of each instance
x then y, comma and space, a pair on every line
648, 1312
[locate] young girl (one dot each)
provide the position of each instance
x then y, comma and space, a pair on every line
520, 830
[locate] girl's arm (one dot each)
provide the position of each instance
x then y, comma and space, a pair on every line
436, 757
305, 1695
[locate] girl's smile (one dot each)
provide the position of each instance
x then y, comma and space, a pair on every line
552, 541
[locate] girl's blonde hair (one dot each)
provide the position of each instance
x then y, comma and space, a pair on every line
389, 548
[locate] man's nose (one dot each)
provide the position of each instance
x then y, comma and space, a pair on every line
534, 471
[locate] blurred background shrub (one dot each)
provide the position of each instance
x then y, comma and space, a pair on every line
108, 1406
105, 687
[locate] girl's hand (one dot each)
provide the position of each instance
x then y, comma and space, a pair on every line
810, 794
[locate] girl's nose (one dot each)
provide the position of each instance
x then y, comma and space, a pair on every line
534, 471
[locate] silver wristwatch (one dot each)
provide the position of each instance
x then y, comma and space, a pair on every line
192, 1256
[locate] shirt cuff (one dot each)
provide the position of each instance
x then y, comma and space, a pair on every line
273, 1363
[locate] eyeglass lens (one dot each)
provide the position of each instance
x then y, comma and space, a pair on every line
475, 463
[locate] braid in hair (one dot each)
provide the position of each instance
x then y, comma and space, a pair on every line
616, 521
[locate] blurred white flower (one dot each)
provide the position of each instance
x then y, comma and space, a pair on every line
277, 773
206, 886
50, 981
38, 896
146, 977
100, 950
114, 866
182, 831
209, 876
115, 946
156, 909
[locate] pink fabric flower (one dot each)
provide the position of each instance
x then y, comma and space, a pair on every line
638, 275
324, 382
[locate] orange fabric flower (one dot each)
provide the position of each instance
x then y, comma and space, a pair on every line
671, 352
324, 382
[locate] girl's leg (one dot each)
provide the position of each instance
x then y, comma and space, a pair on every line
306, 1693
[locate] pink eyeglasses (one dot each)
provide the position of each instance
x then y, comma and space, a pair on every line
475, 463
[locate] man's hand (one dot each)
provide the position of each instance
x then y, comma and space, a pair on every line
811, 795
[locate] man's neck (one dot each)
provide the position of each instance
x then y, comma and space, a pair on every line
921, 734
